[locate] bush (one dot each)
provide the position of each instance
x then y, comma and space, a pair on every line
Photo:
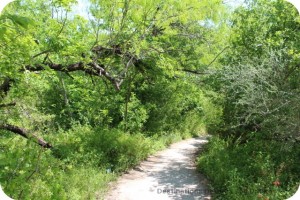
121, 150
252, 170
80, 165
29, 172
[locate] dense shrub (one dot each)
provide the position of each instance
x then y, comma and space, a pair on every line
255, 151
36, 174
252, 170
80, 165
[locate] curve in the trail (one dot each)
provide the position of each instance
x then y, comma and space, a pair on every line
170, 174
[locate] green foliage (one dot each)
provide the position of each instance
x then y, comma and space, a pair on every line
121, 151
181, 100
264, 26
259, 95
80, 166
160, 51
251, 170
260, 82
254, 153
38, 174
134, 113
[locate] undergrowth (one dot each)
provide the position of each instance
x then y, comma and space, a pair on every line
256, 169
80, 166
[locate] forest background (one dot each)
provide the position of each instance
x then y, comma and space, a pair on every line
85, 98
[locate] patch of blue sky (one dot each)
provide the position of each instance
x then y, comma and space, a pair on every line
81, 8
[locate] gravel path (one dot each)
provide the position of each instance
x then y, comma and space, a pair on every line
170, 174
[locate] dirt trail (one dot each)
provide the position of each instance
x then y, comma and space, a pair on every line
170, 174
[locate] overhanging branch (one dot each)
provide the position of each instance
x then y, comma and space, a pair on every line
24, 133
91, 68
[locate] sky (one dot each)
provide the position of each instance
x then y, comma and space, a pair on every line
233, 3
82, 7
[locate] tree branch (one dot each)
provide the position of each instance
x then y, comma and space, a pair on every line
101, 51
195, 72
24, 133
91, 68
5, 86
7, 104
41, 53
94, 68
203, 73
217, 56
100, 71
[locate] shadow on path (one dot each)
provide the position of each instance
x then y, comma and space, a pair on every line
170, 174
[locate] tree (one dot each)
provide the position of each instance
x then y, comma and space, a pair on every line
126, 43
261, 84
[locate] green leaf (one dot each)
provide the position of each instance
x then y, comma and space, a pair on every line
2, 32
19, 20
